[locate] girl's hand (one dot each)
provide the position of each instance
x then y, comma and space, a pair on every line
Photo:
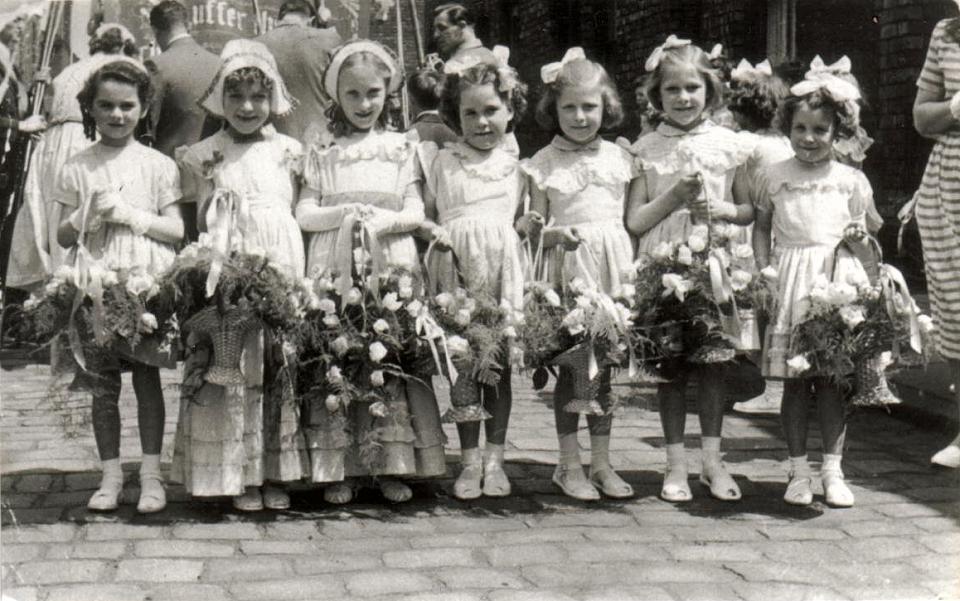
688, 189
703, 209
32, 124
530, 225
440, 239
567, 237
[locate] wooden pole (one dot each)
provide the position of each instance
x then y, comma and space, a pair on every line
257, 26
418, 35
404, 101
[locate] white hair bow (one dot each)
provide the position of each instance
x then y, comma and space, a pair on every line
842, 66
745, 71
501, 53
672, 42
550, 71
715, 52
838, 89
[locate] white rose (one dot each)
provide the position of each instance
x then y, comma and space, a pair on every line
391, 303
740, 279
470, 305
444, 299
33, 301
52, 286
340, 345
583, 301
334, 375
743, 251
457, 345
463, 317
414, 307
332, 402
857, 278
840, 294
576, 329
406, 292
64, 273
328, 306
852, 316
110, 278
139, 283
628, 291
148, 322
675, 285
324, 284
577, 285
381, 326
353, 296
405, 281
684, 255
190, 251
925, 322
331, 321
552, 298
510, 332
313, 302
662, 251
798, 363
378, 409
376, 377
697, 243
377, 352
701, 230
770, 273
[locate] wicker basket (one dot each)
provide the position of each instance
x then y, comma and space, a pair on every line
586, 390
870, 389
227, 330
465, 398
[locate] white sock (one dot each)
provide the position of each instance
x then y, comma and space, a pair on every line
799, 466
150, 466
599, 452
570, 450
677, 456
710, 450
831, 463
112, 477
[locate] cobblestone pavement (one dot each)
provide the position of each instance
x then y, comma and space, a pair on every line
902, 540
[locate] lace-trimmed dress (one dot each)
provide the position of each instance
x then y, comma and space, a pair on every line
586, 186
229, 438
478, 196
378, 169
811, 206
938, 203
669, 154
261, 177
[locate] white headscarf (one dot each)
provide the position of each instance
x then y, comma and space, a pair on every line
240, 54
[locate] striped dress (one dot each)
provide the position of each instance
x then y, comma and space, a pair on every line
938, 205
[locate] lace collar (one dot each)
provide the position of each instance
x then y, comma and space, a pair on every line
561, 143
490, 166
665, 129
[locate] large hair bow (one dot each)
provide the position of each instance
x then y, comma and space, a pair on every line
550, 71
841, 67
744, 71
715, 52
671, 42
838, 89
508, 79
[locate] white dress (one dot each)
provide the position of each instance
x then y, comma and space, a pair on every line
669, 154
478, 196
586, 186
810, 207
259, 181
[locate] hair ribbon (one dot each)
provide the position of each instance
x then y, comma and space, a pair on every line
841, 67
508, 79
744, 71
838, 89
671, 42
550, 71
715, 52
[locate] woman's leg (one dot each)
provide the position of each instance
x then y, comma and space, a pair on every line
106, 431
712, 395
672, 400
602, 474
833, 431
949, 456
499, 402
569, 474
794, 419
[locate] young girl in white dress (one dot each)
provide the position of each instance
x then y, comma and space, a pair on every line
693, 171
368, 177
583, 186
119, 201
244, 181
805, 203
474, 191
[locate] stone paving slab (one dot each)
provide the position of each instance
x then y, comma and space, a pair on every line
901, 541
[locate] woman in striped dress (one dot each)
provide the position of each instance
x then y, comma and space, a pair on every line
936, 114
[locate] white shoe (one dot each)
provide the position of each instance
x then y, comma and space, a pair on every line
949, 456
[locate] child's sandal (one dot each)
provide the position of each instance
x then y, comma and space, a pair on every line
340, 493
676, 488
250, 500
275, 498
799, 491
836, 491
395, 491
105, 499
610, 483
721, 484
153, 498
574, 484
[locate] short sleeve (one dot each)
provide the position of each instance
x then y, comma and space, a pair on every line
191, 173
634, 164
67, 190
760, 193
861, 201
427, 153
167, 183
931, 76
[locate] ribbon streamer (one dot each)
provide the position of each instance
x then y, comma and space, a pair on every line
899, 304
227, 215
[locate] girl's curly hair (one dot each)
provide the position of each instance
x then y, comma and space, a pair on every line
689, 55
580, 73
754, 102
845, 114
247, 76
121, 71
337, 122
479, 75
111, 42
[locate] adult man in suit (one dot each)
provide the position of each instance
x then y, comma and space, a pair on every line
302, 50
454, 35
182, 73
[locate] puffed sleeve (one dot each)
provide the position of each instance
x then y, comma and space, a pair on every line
862, 206
166, 183
761, 191
68, 186
931, 75
426, 158
191, 174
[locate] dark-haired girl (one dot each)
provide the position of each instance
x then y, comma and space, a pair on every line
119, 200
583, 187
806, 202
244, 181
36, 252
367, 177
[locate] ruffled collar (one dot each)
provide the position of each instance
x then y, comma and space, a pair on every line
491, 166
561, 143
665, 129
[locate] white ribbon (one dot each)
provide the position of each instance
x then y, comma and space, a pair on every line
671, 42
676, 285
715, 52
842, 66
228, 215
550, 71
507, 79
838, 89
899, 303
744, 71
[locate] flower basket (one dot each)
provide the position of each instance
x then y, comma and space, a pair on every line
586, 390
465, 398
666, 339
748, 338
870, 388
227, 331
